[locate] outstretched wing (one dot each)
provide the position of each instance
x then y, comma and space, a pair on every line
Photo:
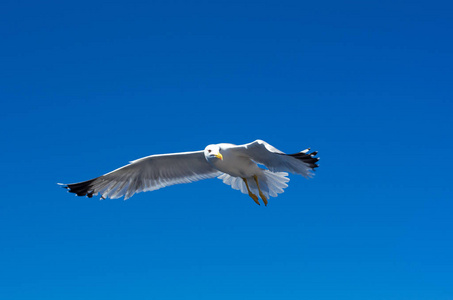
302, 163
147, 174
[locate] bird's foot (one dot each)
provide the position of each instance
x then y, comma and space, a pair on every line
264, 198
254, 197
259, 190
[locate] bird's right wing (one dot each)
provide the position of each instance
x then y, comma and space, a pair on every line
147, 174
302, 163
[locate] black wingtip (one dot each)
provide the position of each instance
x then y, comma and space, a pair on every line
64, 186
84, 188
307, 158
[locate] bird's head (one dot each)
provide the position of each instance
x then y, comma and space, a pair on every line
213, 152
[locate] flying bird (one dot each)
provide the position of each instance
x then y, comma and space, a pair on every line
237, 165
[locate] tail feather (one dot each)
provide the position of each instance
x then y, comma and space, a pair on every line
271, 183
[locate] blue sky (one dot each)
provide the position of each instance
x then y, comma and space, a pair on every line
88, 86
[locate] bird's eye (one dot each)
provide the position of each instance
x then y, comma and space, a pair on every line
209, 151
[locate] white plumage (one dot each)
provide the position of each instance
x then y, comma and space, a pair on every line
235, 165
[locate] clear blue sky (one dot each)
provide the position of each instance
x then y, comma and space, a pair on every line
87, 86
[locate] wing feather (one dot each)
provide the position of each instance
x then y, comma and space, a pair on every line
302, 163
147, 174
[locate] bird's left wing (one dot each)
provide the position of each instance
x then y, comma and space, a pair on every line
147, 174
302, 163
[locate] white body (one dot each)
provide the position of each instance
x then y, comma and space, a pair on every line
234, 163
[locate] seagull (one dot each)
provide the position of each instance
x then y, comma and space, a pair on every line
255, 168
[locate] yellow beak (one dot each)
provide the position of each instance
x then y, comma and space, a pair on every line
218, 155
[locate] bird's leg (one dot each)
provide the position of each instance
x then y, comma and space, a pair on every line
261, 193
252, 195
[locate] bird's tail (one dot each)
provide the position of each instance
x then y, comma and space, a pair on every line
271, 183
